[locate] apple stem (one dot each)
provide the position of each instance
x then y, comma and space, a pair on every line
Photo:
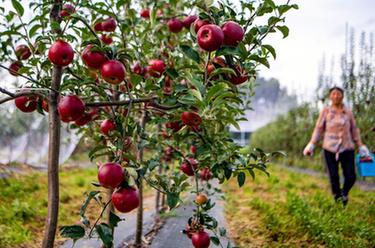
206, 68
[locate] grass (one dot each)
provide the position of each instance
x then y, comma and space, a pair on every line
290, 209
24, 205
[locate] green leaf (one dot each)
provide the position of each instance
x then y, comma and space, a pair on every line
227, 50
172, 199
261, 60
172, 73
222, 231
73, 232
273, 20
215, 240
271, 50
241, 177
18, 7
284, 30
105, 234
33, 30
113, 219
190, 52
82, 211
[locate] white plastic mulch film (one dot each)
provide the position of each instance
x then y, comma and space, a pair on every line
24, 137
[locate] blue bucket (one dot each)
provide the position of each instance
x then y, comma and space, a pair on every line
365, 169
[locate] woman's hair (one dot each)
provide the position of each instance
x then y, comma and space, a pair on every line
336, 88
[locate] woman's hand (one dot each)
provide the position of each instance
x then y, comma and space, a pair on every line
363, 151
309, 149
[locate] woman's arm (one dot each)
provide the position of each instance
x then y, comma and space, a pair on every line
355, 130
319, 127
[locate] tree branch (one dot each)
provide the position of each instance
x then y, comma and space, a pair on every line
29, 93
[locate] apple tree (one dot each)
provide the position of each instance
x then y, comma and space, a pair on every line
164, 79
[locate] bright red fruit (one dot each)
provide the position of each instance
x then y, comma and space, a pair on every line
145, 13
67, 10
14, 68
106, 39
125, 199
233, 33
205, 174
110, 175
93, 59
175, 25
45, 105
113, 71
26, 103
188, 167
191, 118
23, 52
138, 69
98, 27
83, 120
240, 77
200, 239
107, 126
210, 37
198, 23
188, 20
156, 67
193, 149
109, 25
70, 108
61, 53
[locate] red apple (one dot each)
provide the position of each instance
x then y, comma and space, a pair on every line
26, 103
156, 67
240, 77
70, 108
106, 39
138, 69
210, 37
219, 62
93, 59
45, 105
174, 125
145, 13
107, 126
188, 20
191, 118
205, 174
233, 33
188, 167
175, 25
98, 27
109, 25
23, 52
14, 68
83, 120
61, 53
193, 149
113, 71
198, 23
125, 199
67, 10
110, 175
200, 239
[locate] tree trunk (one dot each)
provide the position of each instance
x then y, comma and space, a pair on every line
53, 146
53, 160
139, 227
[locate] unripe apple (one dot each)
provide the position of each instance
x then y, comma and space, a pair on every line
61, 53
198, 23
200, 239
125, 199
175, 25
26, 104
201, 199
191, 118
107, 126
113, 71
70, 108
145, 13
14, 68
188, 20
156, 67
109, 25
233, 33
106, 39
67, 10
110, 175
93, 59
210, 37
23, 52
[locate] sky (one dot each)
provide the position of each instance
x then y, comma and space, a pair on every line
317, 28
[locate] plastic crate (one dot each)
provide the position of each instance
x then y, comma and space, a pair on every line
365, 169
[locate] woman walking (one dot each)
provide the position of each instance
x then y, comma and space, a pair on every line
337, 127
